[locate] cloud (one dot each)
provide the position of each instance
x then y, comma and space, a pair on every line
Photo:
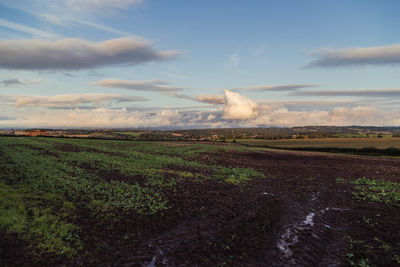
207, 99
122, 117
74, 54
259, 51
384, 93
358, 56
100, 5
306, 104
238, 107
210, 99
233, 62
69, 22
25, 29
67, 100
286, 87
339, 116
17, 82
153, 85
56, 20
93, 118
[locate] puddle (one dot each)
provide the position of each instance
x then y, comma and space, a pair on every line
152, 263
309, 219
290, 236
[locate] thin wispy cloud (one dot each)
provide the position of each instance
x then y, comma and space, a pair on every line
100, 5
206, 98
233, 62
152, 85
357, 56
74, 54
70, 22
211, 99
67, 100
286, 87
259, 51
28, 30
382, 93
17, 82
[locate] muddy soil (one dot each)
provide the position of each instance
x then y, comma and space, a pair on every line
320, 215
299, 217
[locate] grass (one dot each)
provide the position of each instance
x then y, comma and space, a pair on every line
238, 176
357, 143
377, 191
132, 134
47, 183
358, 146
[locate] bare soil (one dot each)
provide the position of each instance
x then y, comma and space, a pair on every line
299, 217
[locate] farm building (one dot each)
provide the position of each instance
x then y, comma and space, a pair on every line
36, 132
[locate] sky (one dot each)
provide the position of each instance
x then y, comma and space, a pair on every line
199, 64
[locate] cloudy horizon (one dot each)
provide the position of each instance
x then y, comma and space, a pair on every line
146, 64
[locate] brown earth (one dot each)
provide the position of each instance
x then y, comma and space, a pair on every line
299, 217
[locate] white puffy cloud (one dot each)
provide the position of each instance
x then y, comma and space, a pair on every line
74, 54
357, 56
122, 117
93, 118
237, 111
153, 85
340, 116
239, 107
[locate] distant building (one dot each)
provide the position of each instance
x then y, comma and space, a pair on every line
36, 132
19, 132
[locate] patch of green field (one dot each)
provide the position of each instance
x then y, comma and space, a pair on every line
133, 134
377, 191
380, 143
386, 192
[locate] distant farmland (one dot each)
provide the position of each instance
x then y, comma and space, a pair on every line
380, 143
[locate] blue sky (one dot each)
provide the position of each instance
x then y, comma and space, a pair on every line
144, 63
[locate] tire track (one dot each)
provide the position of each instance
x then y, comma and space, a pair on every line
310, 238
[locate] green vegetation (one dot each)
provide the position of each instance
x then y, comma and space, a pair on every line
238, 175
47, 183
359, 146
350, 143
367, 249
380, 191
377, 191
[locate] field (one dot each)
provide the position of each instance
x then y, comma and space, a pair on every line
381, 143
388, 146
130, 203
